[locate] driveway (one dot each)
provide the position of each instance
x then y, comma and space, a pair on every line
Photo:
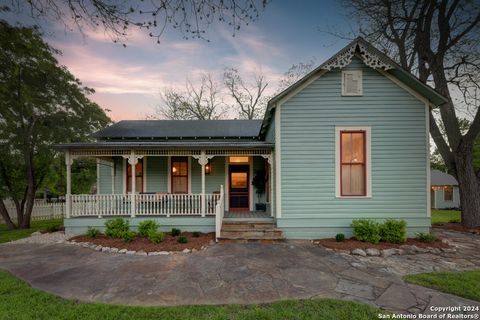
238, 273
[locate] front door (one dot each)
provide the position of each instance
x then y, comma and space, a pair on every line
239, 187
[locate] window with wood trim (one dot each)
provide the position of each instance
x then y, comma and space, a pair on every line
353, 163
179, 174
138, 176
448, 193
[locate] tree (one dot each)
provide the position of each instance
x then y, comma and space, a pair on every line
190, 17
295, 73
250, 98
41, 103
439, 41
194, 103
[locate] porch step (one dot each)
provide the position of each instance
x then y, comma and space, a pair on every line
250, 231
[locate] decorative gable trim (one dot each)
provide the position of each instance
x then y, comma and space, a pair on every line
344, 58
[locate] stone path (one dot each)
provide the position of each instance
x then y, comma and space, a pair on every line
239, 273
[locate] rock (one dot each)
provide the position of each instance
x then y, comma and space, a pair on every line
388, 252
447, 241
98, 248
154, 253
122, 251
113, 250
372, 252
359, 252
448, 250
141, 253
186, 250
194, 250
164, 253
36, 233
420, 250
130, 252
106, 249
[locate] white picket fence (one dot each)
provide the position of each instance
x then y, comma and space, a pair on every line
41, 211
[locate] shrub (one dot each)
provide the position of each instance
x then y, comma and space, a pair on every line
92, 232
146, 226
196, 234
340, 237
366, 230
115, 228
128, 235
155, 237
182, 239
393, 231
175, 232
426, 237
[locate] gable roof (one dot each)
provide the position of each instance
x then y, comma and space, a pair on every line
181, 129
373, 58
439, 178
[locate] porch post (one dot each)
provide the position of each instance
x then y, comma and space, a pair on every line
271, 162
133, 161
68, 203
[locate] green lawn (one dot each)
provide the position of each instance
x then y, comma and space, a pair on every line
19, 301
7, 235
442, 216
464, 284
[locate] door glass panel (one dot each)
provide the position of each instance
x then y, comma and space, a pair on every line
238, 159
239, 180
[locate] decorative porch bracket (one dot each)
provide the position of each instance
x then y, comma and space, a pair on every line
203, 160
133, 160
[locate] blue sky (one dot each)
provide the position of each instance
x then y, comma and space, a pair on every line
128, 80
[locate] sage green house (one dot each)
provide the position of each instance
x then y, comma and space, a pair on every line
350, 140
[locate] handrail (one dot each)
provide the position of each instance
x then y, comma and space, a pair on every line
219, 212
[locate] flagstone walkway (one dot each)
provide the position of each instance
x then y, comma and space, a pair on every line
239, 273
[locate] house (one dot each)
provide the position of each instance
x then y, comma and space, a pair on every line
349, 140
444, 192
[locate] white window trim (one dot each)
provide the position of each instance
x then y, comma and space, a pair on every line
368, 147
358, 72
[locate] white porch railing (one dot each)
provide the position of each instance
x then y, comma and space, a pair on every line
145, 205
219, 211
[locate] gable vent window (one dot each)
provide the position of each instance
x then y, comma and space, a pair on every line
352, 83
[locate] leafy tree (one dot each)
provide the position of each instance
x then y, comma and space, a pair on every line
191, 18
439, 41
41, 103
249, 97
202, 102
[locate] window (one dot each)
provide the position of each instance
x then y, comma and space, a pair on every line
353, 164
138, 176
352, 83
179, 175
238, 159
448, 193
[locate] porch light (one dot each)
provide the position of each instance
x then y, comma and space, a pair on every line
208, 168
174, 169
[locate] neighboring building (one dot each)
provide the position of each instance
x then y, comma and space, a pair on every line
350, 140
445, 193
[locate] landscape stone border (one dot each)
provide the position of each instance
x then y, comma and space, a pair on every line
100, 248
402, 250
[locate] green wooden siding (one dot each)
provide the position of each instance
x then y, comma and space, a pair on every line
212, 180
157, 174
105, 177
119, 175
270, 135
399, 150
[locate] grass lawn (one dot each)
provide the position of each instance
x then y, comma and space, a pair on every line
7, 235
19, 301
464, 284
442, 216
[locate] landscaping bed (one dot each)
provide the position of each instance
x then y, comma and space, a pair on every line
143, 244
456, 226
351, 244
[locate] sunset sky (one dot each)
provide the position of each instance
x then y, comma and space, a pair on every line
128, 80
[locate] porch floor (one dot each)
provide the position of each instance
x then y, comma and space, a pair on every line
247, 214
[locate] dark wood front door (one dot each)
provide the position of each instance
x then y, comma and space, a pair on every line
239, 197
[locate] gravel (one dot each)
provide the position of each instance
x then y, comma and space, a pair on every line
44, 238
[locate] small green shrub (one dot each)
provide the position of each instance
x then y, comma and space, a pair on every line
426, 237
146, 226
115, 228
366, 230
340, 237
393, 231
175, 232
92, 232
182, 239
155, 237
128, 236
196, 234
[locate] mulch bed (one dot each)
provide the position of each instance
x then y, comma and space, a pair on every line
351, 244
456, 226
143, 244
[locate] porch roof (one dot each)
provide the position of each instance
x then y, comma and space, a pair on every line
168, 144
